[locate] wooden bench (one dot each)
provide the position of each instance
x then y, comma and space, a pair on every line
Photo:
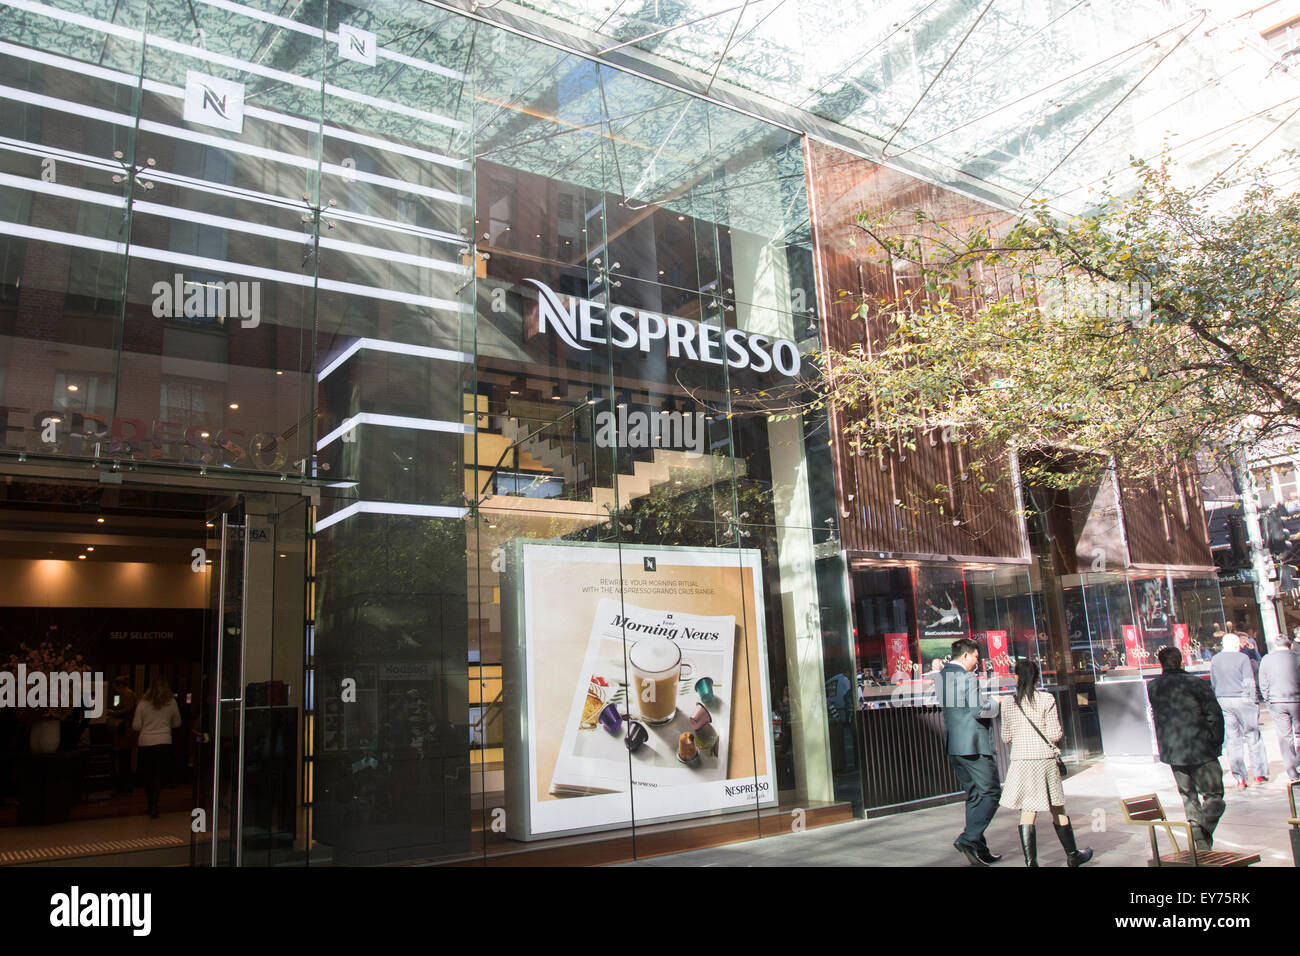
1294, 820
1146, 811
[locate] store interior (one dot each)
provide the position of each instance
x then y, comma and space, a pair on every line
115, 583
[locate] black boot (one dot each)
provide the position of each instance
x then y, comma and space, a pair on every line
1029, 843
1073, 855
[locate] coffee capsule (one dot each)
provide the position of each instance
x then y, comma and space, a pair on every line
591, 706
700, 717
687, 752
636, 736
610, 718
704, 687
706, 738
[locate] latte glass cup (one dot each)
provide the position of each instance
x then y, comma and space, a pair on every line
657, 666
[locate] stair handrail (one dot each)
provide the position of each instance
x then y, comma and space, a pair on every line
492, 473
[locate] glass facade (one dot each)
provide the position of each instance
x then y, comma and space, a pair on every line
489, 330
460, 367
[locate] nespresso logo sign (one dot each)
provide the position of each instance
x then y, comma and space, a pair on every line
581, 321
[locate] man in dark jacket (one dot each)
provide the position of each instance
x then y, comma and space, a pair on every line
968, 731
1189, 730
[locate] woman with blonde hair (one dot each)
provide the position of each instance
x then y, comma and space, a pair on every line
156, 715
1033, 728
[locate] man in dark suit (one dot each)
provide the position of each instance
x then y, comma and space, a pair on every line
968, 730
1189, 732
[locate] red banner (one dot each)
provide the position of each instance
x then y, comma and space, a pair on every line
898, 658
998, 652
1134, 652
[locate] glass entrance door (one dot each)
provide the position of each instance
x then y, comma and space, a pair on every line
255, 802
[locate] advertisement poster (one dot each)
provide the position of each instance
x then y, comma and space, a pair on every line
898, 658
997, 652
1182, 642
1154, 610
1134, 653
940, 611
603, 639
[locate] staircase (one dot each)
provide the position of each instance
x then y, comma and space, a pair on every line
546, 450
506, 517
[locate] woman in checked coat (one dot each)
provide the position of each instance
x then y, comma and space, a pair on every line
1033, 728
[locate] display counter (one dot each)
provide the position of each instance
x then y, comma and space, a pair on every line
905, 759
1127, 729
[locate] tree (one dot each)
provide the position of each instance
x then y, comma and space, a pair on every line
1161, 327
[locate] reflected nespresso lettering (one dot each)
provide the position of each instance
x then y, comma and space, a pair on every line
627, 328
60, 431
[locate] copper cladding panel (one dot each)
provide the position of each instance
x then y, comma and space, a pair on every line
842, 186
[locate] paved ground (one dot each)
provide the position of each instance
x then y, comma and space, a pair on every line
1255, 820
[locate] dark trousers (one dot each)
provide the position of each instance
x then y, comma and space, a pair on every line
978, 776
1201, 787
1286, 723
155, 763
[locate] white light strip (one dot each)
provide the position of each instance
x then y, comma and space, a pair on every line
67, 16
72, 66
61, 238
223, 222
79, 241
83, 111
223, 190
347, 215
59, 189
331, 37
393, 421
289, 235
390, 508
389, 106
379, 345
276, 156
41, 150
231, 63
280, 202
269, 116
291, 278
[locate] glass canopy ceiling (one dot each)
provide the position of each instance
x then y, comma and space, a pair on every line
1008, 99
1018, 98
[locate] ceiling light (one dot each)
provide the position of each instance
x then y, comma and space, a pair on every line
99, 521
210, 524
278, 372
204, 434
81, 557
234, 406
90, 549
681, 218
72, 388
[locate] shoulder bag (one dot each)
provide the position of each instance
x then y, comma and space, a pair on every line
1061, 768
